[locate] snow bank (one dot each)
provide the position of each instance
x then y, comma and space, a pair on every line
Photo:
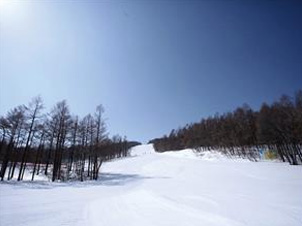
213, 156
186, 153
27, 175
142, 150
203, 155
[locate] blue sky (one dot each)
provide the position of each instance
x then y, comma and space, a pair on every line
154, 65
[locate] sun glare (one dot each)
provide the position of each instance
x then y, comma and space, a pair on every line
12, 9
9, 4
3, 2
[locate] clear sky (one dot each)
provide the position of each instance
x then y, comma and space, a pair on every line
154, 64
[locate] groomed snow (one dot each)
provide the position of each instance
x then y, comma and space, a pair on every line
153, 189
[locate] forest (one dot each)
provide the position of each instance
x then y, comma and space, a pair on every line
64, 146
276, 127
58, 144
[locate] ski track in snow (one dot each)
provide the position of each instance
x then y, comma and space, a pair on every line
162, 189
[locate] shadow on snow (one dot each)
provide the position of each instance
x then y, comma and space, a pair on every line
105, 179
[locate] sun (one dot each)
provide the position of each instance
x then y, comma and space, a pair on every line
9, 3
3, 3
11, 7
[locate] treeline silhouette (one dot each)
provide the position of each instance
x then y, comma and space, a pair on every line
57, 144
244, 132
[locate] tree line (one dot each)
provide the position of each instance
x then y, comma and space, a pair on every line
57, 144
244, 132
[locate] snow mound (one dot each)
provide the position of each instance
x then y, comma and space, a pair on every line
213, 156
28, 175
186, 153
142, 150
204, 155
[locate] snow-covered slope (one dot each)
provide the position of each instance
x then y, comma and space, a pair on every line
162, 189
142, 150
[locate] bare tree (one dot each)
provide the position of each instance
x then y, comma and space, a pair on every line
67, 147
62, 115
33, 113
13, 123
244, 132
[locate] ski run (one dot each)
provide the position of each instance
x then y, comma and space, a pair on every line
162, 189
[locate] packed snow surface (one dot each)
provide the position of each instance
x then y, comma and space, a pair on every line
163, 189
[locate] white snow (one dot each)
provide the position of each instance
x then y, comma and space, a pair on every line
163, 189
